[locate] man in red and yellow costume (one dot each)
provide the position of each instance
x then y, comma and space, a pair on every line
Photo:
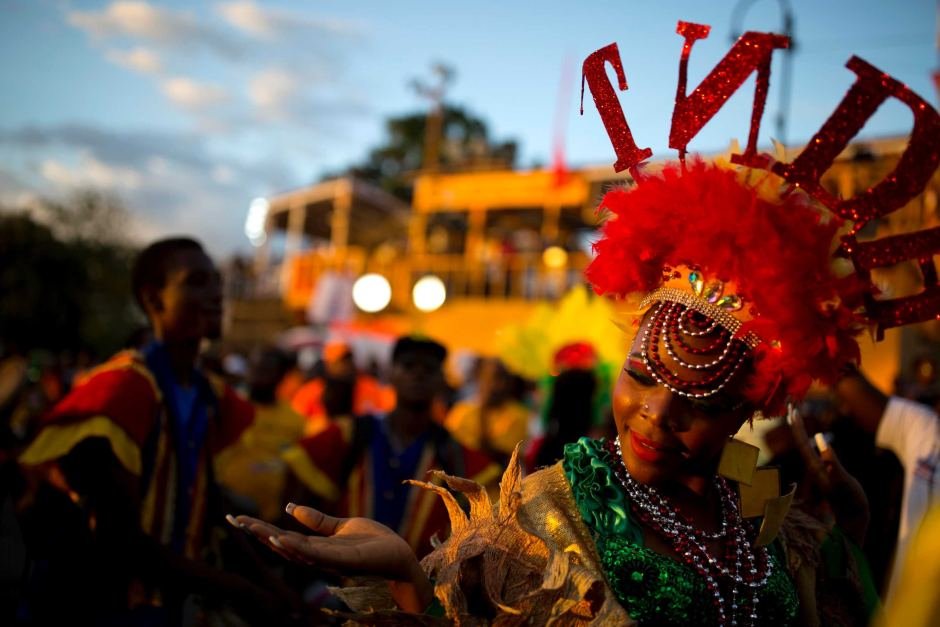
125, 515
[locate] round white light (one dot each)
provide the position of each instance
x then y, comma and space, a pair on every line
555, 257
371, 293
429, 293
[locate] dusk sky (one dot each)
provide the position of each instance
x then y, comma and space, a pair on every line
188, 110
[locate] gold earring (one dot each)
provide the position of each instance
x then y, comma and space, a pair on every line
738, 461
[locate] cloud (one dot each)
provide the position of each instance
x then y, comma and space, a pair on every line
14, 192
263, 43
135, 19
138, 59
273, 91
90, 172
134, 149
269, 24
171, 182
223, 174
193, 95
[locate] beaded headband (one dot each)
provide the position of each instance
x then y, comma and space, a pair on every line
715, 299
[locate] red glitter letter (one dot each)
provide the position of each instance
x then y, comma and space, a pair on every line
628, 154
751, 52
888, 251
914, 168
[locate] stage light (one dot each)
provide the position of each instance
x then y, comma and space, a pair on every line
429, 293
371, 293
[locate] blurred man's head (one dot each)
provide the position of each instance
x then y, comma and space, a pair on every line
495, 383
417, 372
180, 290
338, 361
266, 367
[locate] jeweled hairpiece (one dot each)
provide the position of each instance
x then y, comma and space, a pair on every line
758, 267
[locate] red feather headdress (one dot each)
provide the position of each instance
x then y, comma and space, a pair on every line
777, 254
699, 240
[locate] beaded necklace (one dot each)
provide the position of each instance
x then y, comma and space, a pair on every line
749, 567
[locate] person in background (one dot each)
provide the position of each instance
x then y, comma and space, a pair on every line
572, 399
124, 521
339, 372
358, 465
575, 403
496, 420
912, 432
292, 381
253, 468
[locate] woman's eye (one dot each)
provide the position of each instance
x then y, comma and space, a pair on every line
640, 378
710, 409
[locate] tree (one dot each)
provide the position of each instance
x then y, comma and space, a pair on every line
41, 281
465, 144
65, 275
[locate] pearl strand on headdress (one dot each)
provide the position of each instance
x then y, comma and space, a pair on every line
752, 567
661, 380
672, 317
700, 333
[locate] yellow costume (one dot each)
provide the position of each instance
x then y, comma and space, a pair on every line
505, 426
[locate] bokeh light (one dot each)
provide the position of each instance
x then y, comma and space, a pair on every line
254, 223
371, 293
429, 293
555, 257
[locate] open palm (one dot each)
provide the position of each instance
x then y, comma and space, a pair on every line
348, 546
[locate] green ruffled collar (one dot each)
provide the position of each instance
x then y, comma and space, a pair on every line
597, 492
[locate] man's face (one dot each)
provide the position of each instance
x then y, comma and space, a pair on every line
417, 377
343, 368
264, 369
189, 306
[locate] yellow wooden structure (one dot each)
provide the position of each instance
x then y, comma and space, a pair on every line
455, 223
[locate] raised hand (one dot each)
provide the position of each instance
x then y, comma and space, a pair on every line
349, 547
843, 491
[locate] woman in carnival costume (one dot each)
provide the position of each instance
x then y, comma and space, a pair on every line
670, 522
642, 526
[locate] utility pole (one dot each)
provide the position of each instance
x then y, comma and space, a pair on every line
783, 108
434, 126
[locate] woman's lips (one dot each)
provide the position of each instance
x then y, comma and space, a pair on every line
648, 450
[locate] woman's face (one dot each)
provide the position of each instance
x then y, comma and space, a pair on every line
665, 437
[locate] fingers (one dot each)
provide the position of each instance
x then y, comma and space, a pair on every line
316, 551
263, 531
800, 437
314, 519
256, 526
816, 465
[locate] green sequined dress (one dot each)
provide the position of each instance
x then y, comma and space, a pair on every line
654, 589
